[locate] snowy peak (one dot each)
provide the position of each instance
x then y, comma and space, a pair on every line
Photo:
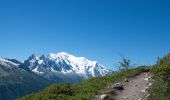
70, 59
60, 54
6, 62
65, 64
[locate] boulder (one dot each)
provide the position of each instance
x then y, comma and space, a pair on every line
126, 80
103, 96
117, 86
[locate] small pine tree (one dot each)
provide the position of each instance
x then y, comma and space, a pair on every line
125, 64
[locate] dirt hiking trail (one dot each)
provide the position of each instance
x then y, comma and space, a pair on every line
135, 88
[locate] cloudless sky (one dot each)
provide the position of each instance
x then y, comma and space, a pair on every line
101, 30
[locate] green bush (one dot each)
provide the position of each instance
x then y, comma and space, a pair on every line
160, 89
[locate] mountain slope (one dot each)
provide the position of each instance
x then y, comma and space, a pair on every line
16, 81
62, 66
85, 90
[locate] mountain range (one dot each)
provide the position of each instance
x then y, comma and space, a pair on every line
18, 78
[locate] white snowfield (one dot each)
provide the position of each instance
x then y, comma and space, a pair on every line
67, 64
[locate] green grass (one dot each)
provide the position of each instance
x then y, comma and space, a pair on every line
81, 91
160, 89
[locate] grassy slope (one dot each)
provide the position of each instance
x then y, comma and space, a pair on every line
161, 86
82, 91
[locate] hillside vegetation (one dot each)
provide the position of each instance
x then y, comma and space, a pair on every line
81, 91
161, 86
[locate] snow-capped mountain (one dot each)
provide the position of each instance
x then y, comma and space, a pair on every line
7, 66
17, 80
64, 66
6, 62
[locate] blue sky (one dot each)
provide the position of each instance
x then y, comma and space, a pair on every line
100, 30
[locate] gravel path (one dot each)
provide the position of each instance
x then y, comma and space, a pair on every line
136, 88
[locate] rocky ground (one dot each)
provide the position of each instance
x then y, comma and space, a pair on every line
134, 88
